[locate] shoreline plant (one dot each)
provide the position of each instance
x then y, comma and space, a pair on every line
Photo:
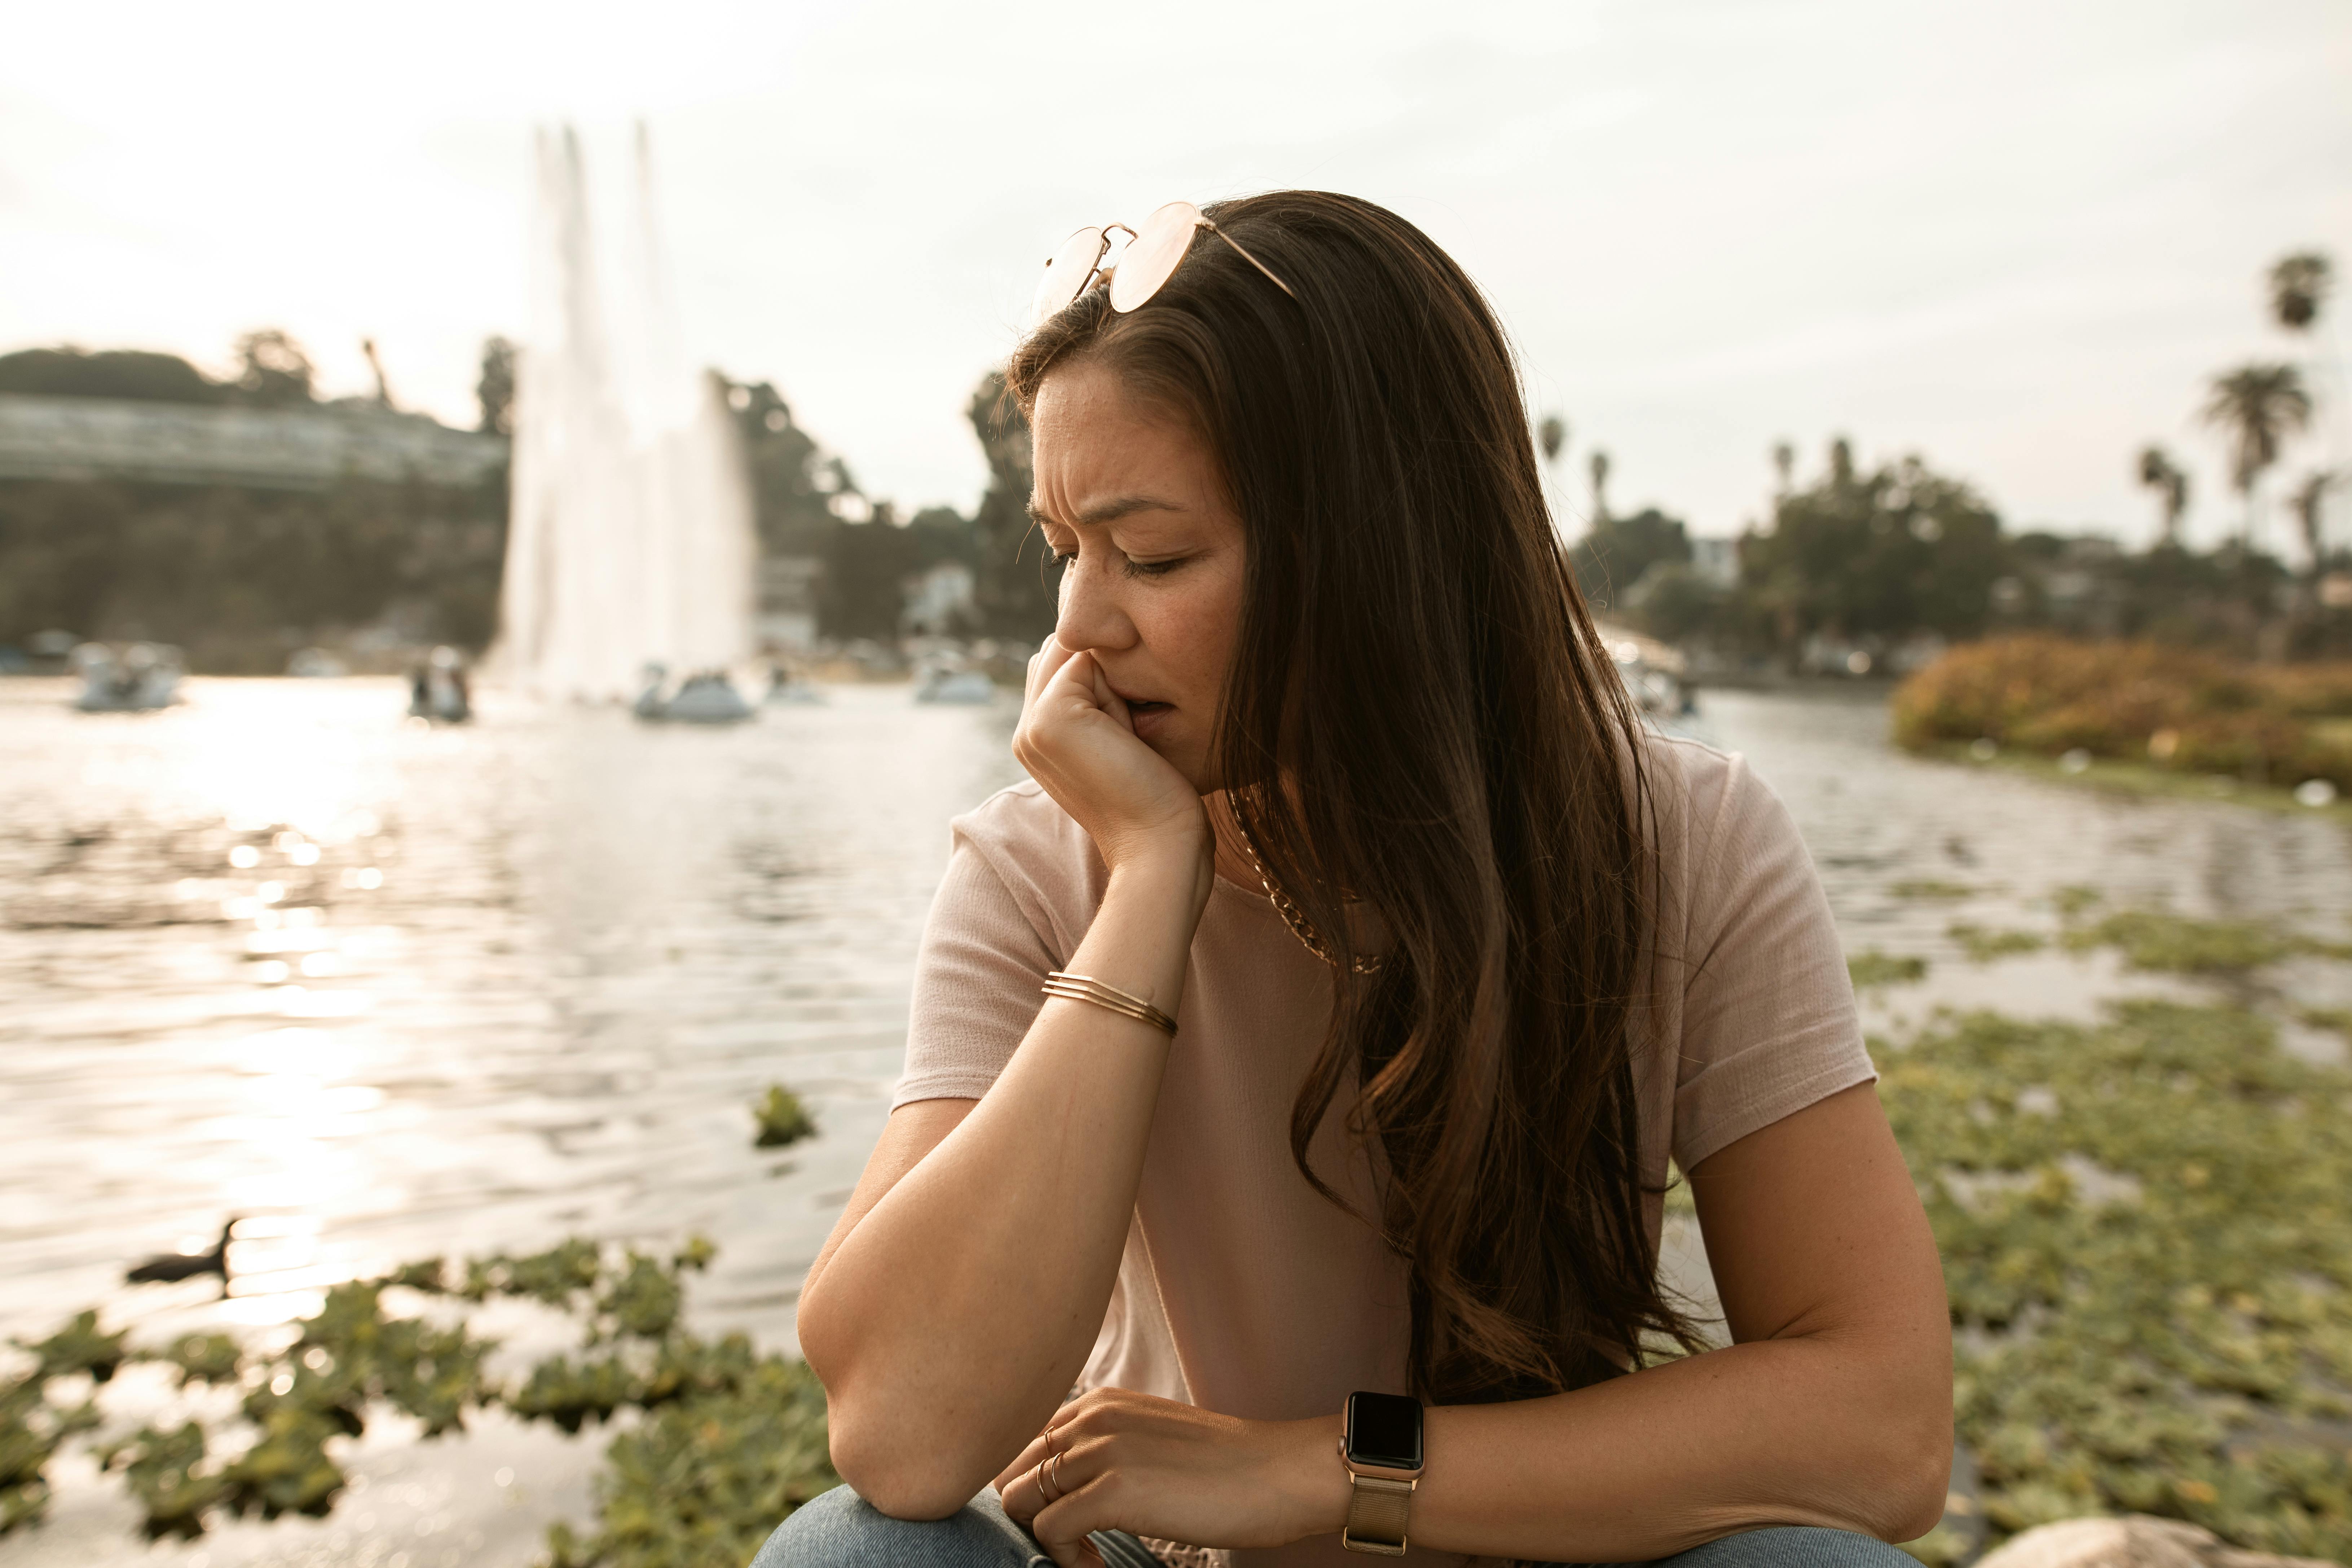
723, 1442
2170, 708
719, 1440
2146, 1226
2147, 1233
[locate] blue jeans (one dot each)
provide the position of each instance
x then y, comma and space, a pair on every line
841, 1529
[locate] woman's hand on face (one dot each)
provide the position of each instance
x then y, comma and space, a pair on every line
1077, 739
1175, 1473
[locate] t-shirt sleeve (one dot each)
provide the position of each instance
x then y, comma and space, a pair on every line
1769, 1024
976, 979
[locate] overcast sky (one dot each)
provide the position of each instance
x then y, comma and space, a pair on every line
2015, 238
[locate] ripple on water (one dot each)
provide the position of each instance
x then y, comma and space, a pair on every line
388, 991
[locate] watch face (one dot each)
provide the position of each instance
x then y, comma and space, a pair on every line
1384, 1431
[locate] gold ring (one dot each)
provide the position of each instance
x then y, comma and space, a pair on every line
1049, 1439
1038, 1475
1056, 1462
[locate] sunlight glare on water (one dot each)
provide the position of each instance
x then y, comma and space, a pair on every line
382, 991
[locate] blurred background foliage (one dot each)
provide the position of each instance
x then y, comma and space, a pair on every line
241, 575
1857, 570
2172, 708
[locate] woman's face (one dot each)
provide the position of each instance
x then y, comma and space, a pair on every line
1133, 503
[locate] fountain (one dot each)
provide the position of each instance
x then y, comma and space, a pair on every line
630, 541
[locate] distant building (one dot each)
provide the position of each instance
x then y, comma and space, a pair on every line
1716, 561
188, 443
786, 619
939, 601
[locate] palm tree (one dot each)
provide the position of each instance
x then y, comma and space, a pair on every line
2256, 407
2307, 503
2299, 286
2158, 472
1600, 464
1551, 436
1784, 466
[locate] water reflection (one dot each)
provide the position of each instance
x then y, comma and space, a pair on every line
386, 991
383, 992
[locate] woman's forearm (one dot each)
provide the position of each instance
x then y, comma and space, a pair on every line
951, 1319
1822, 1429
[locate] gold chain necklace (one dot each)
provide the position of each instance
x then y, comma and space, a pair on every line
1295, 917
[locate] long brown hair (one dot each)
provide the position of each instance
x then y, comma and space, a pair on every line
1421, 716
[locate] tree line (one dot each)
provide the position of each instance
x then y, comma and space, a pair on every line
1860, 565
1863, 569
1852, 567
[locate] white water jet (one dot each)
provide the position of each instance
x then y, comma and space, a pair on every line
630, 535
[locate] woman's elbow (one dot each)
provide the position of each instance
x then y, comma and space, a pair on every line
1906, 1496
894, 1468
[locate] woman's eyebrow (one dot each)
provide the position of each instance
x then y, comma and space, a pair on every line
1108, 512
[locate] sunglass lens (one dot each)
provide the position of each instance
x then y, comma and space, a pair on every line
1067, 273
1152, 257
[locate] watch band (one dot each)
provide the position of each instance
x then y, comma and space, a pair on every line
1377, 1508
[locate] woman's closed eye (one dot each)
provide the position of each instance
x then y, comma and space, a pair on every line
1133, 567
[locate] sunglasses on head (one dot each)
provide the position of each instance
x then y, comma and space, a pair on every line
1152, 255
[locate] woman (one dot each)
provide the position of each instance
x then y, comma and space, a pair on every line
1332, 775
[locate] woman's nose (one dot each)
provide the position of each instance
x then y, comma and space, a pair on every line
1089, 616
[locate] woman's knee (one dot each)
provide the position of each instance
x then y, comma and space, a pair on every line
842, 1530
1793, 1546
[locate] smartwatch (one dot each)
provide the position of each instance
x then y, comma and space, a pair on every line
1380, 1442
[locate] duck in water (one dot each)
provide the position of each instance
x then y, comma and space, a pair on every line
169, 1268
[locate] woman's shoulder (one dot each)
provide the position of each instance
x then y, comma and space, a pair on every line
1034, 846
1704, 797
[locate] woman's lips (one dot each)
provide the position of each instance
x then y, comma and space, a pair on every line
1148, 718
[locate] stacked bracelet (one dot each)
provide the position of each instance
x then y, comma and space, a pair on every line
1085, 988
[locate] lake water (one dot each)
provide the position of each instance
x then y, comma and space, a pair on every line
385, 992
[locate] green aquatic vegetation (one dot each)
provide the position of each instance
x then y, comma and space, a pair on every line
783, 1119
2146, 1236
1678, 1199
30, 1431
288, 1469
165, 1471
205, 1358
2074, 897
551, 1277
1929, 888
706, 1476
573, 1395
1876, 968
1942, 1546
734, 1439
430, 1275
78, 1347
1983, 944
2182, 945
2337, 1018
643, 1300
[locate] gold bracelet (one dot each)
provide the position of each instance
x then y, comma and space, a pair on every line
1085, 988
